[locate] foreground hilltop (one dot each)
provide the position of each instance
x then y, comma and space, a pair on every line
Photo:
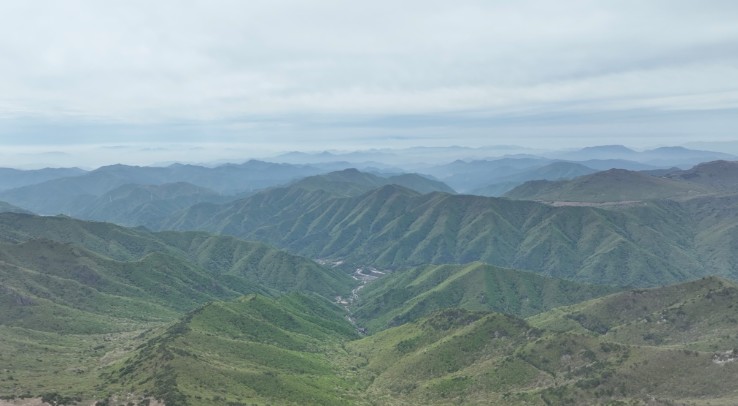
299, 350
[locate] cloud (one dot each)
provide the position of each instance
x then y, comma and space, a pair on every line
88, 71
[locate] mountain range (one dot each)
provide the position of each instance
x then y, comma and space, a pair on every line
616, 185
408, 295
348, 287
552, 171
71, 192
416, 158
390, 227
13, 178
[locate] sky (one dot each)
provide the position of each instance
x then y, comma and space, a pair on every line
219, 79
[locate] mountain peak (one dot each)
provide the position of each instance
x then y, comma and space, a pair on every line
608, 148
613, 185
387, 191
720, 174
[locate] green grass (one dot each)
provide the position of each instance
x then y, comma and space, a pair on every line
36, 362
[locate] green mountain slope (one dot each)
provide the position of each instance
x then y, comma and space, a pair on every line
552, 171
418, 183
351, 182
696, 314
613, 185
219, 257
649, 356
150, 205
715, 221
76, 296
72, 192
58, 287
300, 349
268, 267
407, 295
394, 227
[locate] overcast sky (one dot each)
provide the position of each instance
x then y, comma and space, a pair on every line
283, 75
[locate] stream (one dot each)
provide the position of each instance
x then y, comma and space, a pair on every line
364, 275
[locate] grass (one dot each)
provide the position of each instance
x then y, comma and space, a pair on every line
35, 362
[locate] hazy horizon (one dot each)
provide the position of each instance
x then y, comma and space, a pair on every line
94, 156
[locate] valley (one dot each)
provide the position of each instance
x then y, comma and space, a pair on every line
364, 276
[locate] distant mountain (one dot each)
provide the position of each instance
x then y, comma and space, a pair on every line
419, 183
684, 157
408, 295
494, 177
710, 178
606, 164
372, 157
466, 176
351, 182
14, 178
409, 159
552, 171
427, 159
150, 205
606, 151
658, 157
70, 193
721, 175
614, 185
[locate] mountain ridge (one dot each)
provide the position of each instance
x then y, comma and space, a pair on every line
394, 227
